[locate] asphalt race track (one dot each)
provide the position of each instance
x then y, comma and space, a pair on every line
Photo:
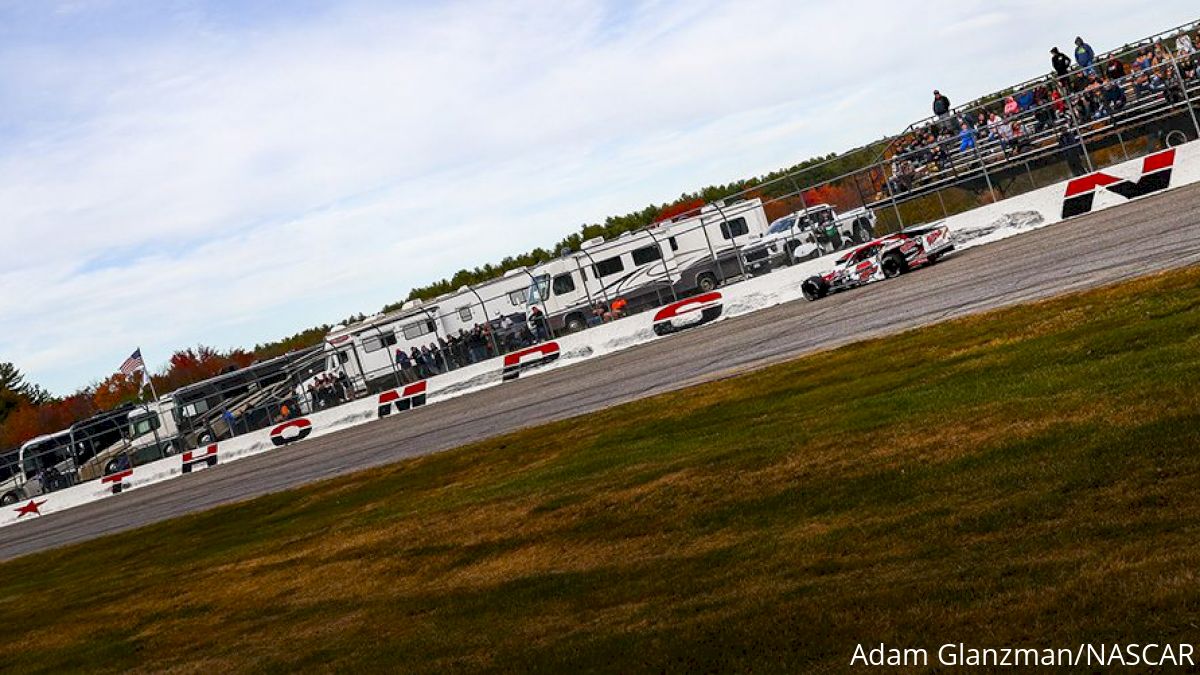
1150, 235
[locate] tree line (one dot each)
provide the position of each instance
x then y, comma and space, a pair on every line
27, 410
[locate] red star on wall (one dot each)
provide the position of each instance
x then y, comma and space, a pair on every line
31, 507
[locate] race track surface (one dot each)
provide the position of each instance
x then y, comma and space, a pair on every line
1133, 239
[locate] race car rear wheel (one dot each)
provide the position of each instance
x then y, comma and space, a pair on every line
814, 288
893, 265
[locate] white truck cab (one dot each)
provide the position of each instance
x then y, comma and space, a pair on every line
810, 233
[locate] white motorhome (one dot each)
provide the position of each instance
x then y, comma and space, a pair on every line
489, 301
649, 267
707, 246
46, 464
366, 351
10, 478
151, 433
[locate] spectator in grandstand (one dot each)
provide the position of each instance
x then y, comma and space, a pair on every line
1184, 46
1187, 67
1115, 70
1060, 107
1141, 73
1114, 97
966, 138
1161, 56
1004, 131
1060, 62
941, 106
1010, 106
1025, 100
1084, 55
1043, 112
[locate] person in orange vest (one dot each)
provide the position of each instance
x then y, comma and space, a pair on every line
618, 308
285, 412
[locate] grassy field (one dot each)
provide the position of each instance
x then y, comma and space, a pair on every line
1025, 477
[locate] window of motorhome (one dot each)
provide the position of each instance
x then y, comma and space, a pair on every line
8, 467
197, 408
377, 342
49, 454
517, 298
143, 425
464, 313
734, 228
608, 267
646, 254
563, 284
417, 329
674, 244
539, 289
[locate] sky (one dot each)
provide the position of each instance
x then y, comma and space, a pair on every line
227, 173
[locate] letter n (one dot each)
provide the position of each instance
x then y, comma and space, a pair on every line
1156, 176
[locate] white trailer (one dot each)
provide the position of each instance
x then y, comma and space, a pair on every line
490, 301
366, 351
647, 268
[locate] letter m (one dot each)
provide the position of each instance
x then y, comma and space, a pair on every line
1156, 176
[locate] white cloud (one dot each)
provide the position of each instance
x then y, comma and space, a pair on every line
233, 183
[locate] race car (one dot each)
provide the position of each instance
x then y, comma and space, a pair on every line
882, 258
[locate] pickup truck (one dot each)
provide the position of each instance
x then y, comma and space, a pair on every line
807, 234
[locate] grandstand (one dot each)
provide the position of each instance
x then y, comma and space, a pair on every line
1034, 134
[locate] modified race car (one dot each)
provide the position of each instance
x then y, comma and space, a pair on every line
882, 258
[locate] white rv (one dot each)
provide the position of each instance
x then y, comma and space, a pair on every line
649, 267
151, 433
10, 478
497, 298
366, 351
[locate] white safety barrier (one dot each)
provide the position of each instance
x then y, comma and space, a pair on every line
1097, 191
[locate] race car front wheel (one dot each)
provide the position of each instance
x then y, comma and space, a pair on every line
814, 288
893, 265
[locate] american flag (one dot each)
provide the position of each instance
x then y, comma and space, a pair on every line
134, 363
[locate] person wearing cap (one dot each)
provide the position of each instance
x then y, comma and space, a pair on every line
1060, 61
1084, 55
941, 104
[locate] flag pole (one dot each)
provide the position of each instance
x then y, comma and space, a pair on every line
146, 372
